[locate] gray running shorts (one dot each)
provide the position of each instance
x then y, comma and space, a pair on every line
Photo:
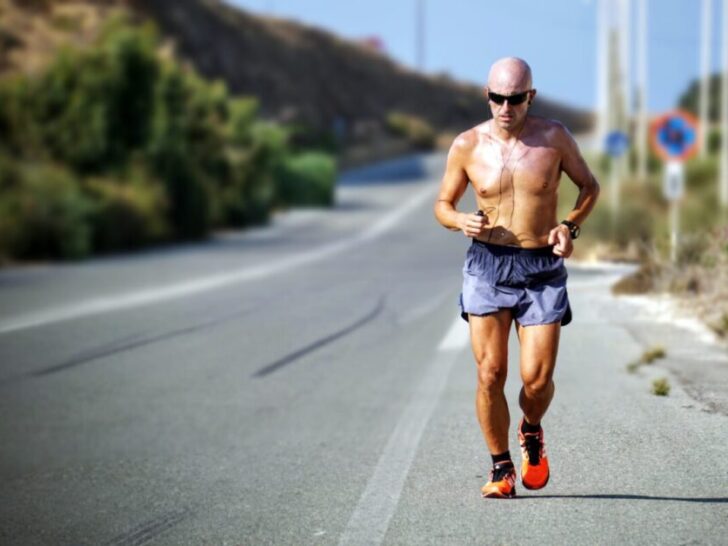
529, 281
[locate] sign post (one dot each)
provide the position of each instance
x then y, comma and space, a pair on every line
674, 137
673, 190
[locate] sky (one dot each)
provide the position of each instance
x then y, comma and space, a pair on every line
557, 37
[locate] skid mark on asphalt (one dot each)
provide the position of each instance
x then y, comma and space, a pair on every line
370, 520
151, 529
132, 342
289, 358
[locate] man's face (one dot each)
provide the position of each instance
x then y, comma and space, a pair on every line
507, 115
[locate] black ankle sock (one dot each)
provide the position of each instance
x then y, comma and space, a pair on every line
502, 458
528, 427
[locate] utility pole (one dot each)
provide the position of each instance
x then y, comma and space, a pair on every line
724, 113
704, 76
603, 64
420, 34
641, 136
617, 121
624, 26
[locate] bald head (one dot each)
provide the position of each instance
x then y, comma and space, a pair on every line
509, 75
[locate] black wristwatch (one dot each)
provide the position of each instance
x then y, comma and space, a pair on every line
574, 229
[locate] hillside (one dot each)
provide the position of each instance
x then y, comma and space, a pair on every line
299, 73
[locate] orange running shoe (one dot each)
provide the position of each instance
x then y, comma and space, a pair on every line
501, 482
535, 464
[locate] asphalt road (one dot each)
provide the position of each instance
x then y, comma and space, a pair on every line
311, 383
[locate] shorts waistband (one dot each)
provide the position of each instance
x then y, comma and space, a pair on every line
504, 250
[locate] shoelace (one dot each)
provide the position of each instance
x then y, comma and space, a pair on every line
533, 448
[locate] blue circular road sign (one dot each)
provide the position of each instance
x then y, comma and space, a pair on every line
617, 143
675, 136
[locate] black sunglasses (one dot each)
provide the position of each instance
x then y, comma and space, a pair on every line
513, 100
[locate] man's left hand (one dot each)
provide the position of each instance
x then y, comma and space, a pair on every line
560, 237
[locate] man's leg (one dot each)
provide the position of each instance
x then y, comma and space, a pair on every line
489, 340
539, 346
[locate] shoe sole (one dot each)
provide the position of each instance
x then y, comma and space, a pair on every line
497, 495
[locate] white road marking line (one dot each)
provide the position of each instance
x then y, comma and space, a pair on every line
457, 336
421, 310
369, 522
152, 295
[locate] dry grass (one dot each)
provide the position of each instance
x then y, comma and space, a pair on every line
661, 387
44, 26
698, 282
648, 357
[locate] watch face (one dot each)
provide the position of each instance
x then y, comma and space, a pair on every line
574, 229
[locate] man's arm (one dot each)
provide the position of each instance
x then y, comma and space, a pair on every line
453, 186
573, 164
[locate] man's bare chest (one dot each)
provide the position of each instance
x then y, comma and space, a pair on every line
533, 170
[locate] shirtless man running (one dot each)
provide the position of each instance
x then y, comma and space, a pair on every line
514, 269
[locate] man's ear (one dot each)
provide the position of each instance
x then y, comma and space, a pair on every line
533, 95
485, 90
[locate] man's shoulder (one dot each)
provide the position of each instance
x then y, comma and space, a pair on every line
555, 132
550, 126
466, 141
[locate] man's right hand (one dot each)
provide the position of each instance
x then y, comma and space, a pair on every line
472, 225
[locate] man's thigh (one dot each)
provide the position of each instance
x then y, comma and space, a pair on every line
539, 348
489, 337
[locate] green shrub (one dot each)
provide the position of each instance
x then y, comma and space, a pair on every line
242, 115
257, 152
20, 132
701, 174
127, 214
43, 213
172, 154
632, 223
654, 163
307, 179
93, 106
416, 130
130, 149
714, 141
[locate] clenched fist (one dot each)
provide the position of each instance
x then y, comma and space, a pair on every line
473, 224
560, 237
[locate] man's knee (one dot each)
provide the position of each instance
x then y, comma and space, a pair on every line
491, 375
537, 385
